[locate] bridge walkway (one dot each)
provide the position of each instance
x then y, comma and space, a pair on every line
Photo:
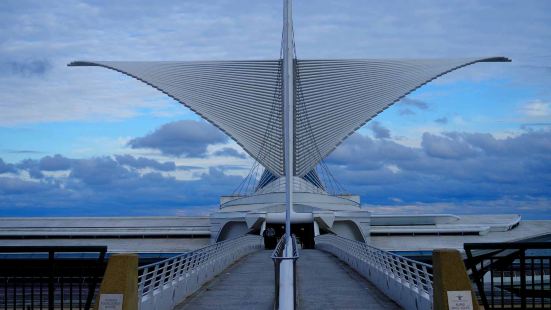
247, 284
324, 282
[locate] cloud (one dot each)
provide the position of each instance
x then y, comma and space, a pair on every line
101, 171
379, 130
182, 138
448, 147
16, 186
362, 152
5, 168
31, 167
511, 174
54, 163
536, 109
414, 103
34, 36
29, 68
453, 167
441, 120
406, 103
10, 151
406, 112
142, 162
103, 186
229, 152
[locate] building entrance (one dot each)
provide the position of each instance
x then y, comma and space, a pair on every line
304, 233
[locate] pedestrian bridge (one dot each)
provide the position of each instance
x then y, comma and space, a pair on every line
239, 274
323, 281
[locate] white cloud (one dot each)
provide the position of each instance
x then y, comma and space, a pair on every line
536, 109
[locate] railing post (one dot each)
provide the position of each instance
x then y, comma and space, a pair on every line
276, 274
51, 280
121, 278
141, 282
522, 278
449, 275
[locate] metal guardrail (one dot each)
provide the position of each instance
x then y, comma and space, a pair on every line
278, 255
511, 275
50, 277
164, 284
406, 281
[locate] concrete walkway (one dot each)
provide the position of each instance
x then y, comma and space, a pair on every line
248, 284
325, 282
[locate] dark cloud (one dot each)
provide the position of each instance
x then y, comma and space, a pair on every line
35, 172
103, 186
142, 162
441, 120
406, 112
414, 103
182, 138
5, 168
364, 153
230, 152
21, 151
101, 171
453, 168
452, 146
379, 130
54, 163
16, 186
25, 68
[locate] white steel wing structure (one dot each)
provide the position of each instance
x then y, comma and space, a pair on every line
333, 98
313, 105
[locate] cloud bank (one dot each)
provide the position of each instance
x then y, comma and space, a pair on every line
455, 172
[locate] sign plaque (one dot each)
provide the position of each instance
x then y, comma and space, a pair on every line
460, 300
110, 302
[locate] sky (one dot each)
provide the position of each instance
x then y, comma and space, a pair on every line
84, 141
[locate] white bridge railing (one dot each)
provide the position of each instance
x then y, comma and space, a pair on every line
164, 284
406, 281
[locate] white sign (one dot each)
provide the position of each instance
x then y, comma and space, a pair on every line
460, 300
110, 301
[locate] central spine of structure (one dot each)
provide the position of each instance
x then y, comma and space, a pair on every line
288, 108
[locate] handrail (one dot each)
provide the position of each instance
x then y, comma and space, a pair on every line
510, 274
280, 247
406, 281
278, 256
37, 277
164, 284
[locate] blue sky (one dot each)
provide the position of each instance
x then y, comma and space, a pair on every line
89, 141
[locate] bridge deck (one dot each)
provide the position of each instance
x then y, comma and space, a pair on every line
324, 282
248, 284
